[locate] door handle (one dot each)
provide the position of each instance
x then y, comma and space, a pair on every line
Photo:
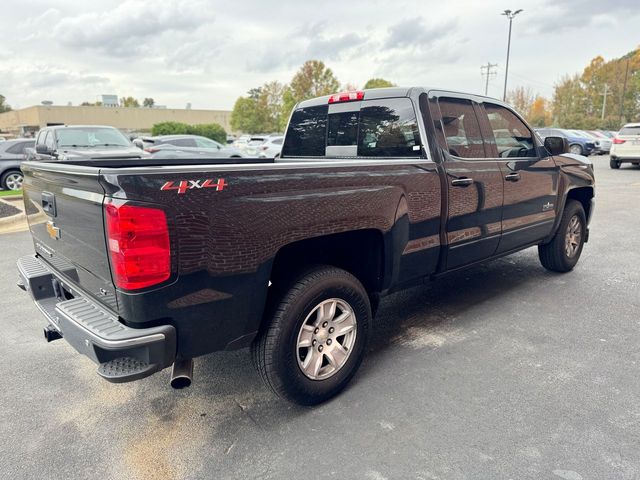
512, 177
462, 182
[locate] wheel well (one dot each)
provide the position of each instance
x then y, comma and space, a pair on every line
358, 252
584, 196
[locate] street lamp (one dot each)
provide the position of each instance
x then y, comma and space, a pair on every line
509, 14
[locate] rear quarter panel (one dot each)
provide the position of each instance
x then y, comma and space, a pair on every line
226, 239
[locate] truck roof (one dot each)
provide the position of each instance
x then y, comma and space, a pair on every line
391, 92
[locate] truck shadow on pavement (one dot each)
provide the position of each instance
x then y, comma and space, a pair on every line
426, 316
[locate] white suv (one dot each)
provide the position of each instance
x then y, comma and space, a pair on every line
626, 146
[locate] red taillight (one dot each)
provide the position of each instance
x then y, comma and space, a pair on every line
618, 141
151, 150
346, 97
138, 244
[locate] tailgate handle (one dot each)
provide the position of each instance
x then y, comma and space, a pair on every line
49, 203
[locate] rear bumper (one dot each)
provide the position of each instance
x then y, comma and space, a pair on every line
123, 354
625, 157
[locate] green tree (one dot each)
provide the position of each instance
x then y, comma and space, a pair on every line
4, 107
522, 100
209, 130
244, 116
148, 102
89, 104
129, 102
170, 128
378, 83
313, 79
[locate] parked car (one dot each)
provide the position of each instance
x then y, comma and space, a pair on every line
626, 146
3, 139
578, 144
141, 268
71, 142
182, 146
271, 147
603, 142
12, 153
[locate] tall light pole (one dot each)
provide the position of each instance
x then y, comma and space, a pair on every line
510, 15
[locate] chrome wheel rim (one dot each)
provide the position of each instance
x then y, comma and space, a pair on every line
326, 339
573, 237
575, 149
14, 181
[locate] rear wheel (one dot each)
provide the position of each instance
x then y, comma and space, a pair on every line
562, 253
615, 164
576, 149
12, 180
317, 336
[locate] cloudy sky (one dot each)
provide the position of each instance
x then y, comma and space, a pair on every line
208, 52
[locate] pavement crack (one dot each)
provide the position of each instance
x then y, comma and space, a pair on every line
245, 410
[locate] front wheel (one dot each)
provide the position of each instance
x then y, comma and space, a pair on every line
615, 164
316, 338
576, 149
562, 253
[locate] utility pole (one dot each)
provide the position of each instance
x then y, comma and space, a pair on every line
510, 15
624, 91
604, 101
488, 70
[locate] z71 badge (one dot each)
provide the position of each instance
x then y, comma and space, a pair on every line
183, 185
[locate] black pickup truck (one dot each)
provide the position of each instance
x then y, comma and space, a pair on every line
142, 264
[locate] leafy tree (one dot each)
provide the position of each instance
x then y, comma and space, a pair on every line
170, 128
540, 112
313, 79
522, 100
244, 116
378, 83
129, 102
209, 130
89, 104
4, 107
579, 101
148, 102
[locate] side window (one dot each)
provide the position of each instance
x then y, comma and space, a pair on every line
513, 137
203, 142
461, 128
388, 128
278, 141
182, 142
18, 148
307, 133
49, 140
40, 138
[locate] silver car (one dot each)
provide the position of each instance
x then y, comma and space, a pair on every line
187, 146
11, 156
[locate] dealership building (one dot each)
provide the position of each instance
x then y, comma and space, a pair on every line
26, 121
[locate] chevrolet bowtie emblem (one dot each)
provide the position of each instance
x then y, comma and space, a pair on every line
54, 232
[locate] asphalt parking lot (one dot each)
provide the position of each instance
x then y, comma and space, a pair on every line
505, 371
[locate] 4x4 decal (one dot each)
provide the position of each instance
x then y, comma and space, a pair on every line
183, 185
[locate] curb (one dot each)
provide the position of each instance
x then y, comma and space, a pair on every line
14, 223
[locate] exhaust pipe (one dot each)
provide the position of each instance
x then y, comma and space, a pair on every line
51, 334
182, 373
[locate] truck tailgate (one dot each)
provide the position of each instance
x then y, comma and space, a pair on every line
64, 206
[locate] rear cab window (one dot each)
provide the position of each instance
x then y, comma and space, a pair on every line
368, 128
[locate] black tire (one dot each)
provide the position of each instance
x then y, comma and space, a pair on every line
575, 147
5, 177
553, 255
275, 349
615, 164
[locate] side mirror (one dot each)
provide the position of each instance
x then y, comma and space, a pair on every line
556, 145
42, 149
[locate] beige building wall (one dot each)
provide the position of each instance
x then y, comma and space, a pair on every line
119, 117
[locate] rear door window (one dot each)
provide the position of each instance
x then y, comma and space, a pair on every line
461, 128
